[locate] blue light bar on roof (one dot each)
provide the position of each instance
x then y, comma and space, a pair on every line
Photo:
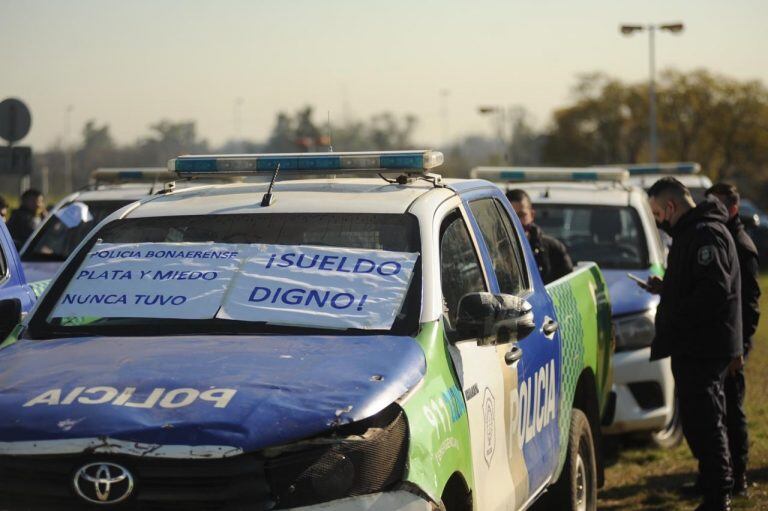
548, 174
308, 163
131, 174
644, 169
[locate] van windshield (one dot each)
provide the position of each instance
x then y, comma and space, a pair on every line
240, 274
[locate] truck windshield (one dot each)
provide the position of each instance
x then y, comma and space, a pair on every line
64, 229
234, 273
612, 236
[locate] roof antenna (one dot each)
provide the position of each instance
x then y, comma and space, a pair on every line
330, 140
268, 198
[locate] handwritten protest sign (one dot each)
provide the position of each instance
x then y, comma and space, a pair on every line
150, 280
320, 287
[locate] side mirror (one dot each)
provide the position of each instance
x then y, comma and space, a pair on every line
10, 316
494, 318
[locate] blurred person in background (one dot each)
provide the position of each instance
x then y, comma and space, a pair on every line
698, 325
736, 420
3, 209
27, 217
551, 255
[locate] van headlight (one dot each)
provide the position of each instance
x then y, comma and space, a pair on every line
636, 331
357, 459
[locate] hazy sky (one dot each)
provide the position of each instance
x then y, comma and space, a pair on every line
130, 63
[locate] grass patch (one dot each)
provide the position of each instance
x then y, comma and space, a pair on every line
644, 478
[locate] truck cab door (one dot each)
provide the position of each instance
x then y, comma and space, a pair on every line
486, 379
533, 398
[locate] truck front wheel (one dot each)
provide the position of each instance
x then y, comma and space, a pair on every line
576, 490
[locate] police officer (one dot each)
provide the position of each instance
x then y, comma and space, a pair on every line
3, 210
736, 420
27, 217
698, 324
551, 255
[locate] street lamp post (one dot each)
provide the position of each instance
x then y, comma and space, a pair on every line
237, 122
628, 30
445, 116
506, 118
500, 113
68, 185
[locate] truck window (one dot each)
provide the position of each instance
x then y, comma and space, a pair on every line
460, 271
611, 236
504, 252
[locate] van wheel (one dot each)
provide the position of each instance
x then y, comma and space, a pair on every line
576, 490
672, 434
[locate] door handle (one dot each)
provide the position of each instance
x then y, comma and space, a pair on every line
549, 327
513, 355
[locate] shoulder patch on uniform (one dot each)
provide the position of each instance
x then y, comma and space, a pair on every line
706, 254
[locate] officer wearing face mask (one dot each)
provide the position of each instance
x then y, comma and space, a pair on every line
551, 255
698, 325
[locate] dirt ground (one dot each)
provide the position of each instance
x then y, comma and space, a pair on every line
641, 477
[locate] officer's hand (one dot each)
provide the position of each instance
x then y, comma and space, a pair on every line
735, 365
654, 285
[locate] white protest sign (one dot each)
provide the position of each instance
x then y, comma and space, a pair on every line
323, 287
150, 280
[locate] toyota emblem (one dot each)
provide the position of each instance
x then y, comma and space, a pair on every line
103, 483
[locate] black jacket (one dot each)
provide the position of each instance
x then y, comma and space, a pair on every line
699, 314
551, 255
750, 290
22, 224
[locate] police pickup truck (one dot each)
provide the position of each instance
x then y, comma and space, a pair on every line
600, 218
688, 173
73, 217
349, 343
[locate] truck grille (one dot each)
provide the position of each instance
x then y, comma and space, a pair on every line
46, 483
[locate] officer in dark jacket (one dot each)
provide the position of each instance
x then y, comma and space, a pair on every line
551, 255
736, 420
25, 220
698, 324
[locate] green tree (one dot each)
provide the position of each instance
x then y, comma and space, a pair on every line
168, 140
96, 151
604, 125
299, 132
715, 120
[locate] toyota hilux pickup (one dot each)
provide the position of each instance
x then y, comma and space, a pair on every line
379, 342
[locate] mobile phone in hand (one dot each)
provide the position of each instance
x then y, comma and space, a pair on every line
637, 279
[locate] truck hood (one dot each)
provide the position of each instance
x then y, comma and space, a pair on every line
40, 270
626, 296
195, 393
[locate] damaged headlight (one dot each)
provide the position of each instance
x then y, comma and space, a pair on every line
636, 331
357, 459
